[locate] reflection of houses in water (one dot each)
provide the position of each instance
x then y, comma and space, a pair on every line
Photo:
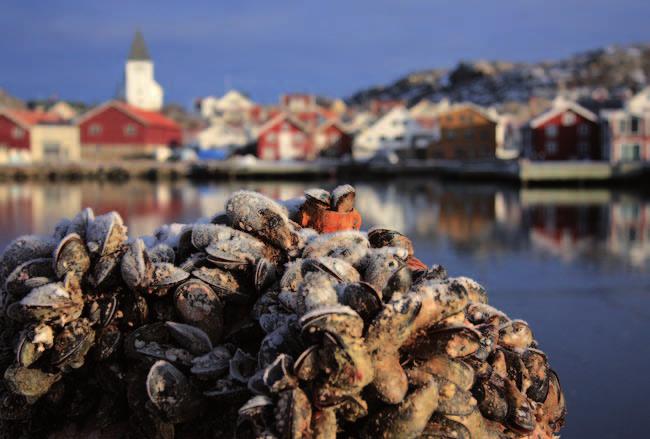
466, 217
629, 230
567, 229
36, 208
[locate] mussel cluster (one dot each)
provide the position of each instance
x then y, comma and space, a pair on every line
247, 325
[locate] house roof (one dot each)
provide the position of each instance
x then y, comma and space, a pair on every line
27, 118
332, 122
560, 105
139, 50
279, 117
149, 118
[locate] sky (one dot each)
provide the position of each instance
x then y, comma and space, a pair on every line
76, 49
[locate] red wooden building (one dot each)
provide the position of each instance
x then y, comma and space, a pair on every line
567, 131
284, 138
15, 126
332, 140
118, 130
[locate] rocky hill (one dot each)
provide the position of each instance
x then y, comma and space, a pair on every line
604, 74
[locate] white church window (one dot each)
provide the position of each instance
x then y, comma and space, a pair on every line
17, 133
130, 130
94, 129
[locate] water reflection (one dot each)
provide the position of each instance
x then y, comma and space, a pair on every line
572, 225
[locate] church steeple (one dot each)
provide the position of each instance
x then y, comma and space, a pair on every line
139, 50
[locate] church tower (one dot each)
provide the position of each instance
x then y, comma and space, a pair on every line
141, 88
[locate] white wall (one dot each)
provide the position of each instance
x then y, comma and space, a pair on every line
142, 90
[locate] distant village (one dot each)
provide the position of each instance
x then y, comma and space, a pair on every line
306, 127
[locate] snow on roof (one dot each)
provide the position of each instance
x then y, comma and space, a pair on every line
560, 105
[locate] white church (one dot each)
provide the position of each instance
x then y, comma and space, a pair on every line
141, 89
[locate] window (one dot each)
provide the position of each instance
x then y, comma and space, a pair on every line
130, 130
94, 129
399, 138
584, 129
634, 125
622, 126
469, 133
630, 152
568, 119
551, 131
51, 150
272, 137
583, 150
450, 118
551, 147
451, 134
17, 133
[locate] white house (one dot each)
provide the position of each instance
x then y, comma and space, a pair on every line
396, 131
224, 135
141, 89
231, 106
626, 131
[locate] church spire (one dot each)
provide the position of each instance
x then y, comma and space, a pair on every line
139, 50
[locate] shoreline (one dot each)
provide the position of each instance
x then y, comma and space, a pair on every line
516, 172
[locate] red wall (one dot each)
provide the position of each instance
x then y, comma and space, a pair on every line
567, 140
341, 146
6, 135
113, 123
265, 142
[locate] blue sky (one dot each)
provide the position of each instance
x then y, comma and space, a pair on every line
76, 49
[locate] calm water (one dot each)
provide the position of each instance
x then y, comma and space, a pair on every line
573, 263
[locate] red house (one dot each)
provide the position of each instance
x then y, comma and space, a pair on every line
332, 140
567, 131
118, 130
284, 138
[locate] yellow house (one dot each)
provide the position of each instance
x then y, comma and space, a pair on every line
34, 136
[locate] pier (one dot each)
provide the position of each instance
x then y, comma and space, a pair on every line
524, 172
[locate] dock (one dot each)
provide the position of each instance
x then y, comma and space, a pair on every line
524, 172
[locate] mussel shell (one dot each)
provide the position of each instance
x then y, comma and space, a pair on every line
454, 370
362, 298
214, 364
72, 344
265, 274
441, 427
21, 280
380, 237
71, 255
277, 376
307, 365
190, 337
455, 341
293, 414
136, 267
171, 393
199, 305
521, 413
491, 398
29, 382
108, 341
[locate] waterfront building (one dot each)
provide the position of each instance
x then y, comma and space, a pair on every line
626, 131
284, 137
331, 139
567, 131
467, 132
35, 136
380, 107
234, 106
141, 89
397, 132
226, 135
117, 130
